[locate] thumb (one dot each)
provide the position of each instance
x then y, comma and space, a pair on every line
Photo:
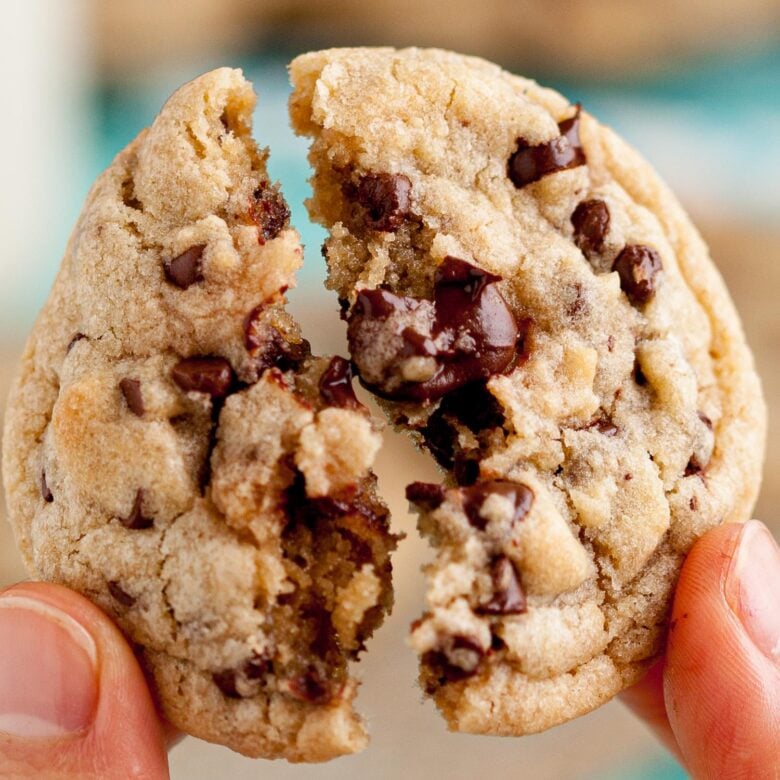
73, 700
722, 676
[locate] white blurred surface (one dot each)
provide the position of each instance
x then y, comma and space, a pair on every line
44, 141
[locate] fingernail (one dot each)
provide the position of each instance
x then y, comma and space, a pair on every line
753, 587
48, 670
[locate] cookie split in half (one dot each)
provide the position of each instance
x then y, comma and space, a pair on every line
174, 452
528, 300
522, 294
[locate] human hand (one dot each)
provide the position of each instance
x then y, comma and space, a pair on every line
714, 700
73, 699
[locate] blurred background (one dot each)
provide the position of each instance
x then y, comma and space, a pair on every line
695, 86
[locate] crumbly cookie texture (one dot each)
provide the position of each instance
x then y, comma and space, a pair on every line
174, 452
530, 301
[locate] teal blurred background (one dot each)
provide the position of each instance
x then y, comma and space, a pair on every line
695, 86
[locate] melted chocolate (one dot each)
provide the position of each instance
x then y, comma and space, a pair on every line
269, 212
529, 163
336, 385
250, 672
508, 597
473, 497
211, 375
474, 330
386, 199
474, 406
301, 509
426, 495
440, 437
269, 348
441, 662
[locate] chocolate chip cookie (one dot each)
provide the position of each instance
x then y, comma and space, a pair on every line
529, 300
174, 452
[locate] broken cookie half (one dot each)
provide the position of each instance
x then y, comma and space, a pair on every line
530, 302
174, 452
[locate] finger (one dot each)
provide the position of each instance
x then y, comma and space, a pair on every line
722, 678
646, 701
73, 700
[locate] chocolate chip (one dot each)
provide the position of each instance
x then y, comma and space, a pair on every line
76, 338
475, 496
508, 597
311, 687
591, 224
693, 504
530, 163
604, 426
266, 344
248, 674
426, 495
474, 332
458, 659
226, 681
386, 199
136, 520
46, 493
440, 437
185, 269
638, 268
704, 443
474, 406
211, 375
336, 385
269, 212
466, 469
122, 596
131, 390
694, 467
303, 510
